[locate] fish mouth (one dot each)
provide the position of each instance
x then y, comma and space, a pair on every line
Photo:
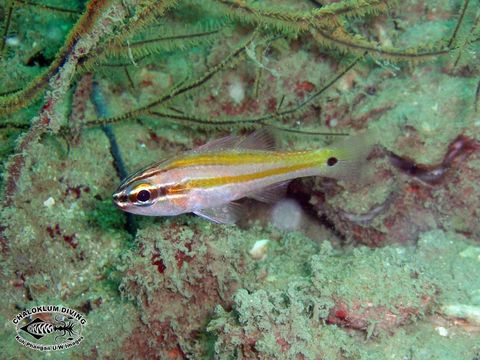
120, 199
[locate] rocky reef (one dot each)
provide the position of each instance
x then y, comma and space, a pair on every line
383, 266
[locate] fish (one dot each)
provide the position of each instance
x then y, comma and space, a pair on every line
209, 180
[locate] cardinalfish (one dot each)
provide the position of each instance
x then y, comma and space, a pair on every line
208, 180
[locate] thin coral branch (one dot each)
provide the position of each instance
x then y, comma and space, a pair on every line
246, 123
461, 48
111, 65
332, 81
129, 78
477, 97
6, 26
345, 42
459, 23
204, 121
9, 92
304, 132
140, 49
139, 44
49, 8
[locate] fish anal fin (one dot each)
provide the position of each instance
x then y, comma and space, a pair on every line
228, 213
261, 139
271, 193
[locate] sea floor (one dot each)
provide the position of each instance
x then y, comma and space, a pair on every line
382, 266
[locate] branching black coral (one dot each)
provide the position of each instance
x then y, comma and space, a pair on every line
326, 23
293, 23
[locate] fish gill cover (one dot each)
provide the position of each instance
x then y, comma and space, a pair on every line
386, 266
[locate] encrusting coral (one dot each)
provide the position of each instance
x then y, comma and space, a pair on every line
91, 90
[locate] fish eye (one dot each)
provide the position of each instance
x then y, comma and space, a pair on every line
332, 161
143, 195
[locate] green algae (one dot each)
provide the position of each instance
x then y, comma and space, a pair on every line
397, 278
189, 282
427, 105
451, 263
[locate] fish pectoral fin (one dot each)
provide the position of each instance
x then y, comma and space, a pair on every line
271, 193
228, 213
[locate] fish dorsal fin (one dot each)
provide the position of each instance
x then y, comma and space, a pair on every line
228, 213
271, 193
261, 139
224, 143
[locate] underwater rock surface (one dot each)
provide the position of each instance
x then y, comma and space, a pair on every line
385, 266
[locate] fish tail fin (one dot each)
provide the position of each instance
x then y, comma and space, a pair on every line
345, 159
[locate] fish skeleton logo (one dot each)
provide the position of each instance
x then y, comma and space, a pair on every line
49, 327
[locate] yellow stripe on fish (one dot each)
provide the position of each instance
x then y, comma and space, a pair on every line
211, 182
317, 159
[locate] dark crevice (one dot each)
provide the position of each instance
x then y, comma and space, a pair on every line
302, 194
39, 60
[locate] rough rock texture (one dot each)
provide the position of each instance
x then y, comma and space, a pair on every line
385, 265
